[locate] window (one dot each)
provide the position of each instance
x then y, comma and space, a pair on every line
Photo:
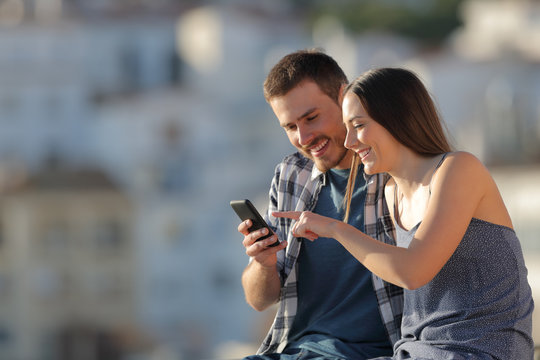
110, 236
5, 335
9, 107
5, 285
54, 239
2, 238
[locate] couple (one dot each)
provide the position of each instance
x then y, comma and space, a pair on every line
391, 244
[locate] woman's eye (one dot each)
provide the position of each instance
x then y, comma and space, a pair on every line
358, 126
311, 118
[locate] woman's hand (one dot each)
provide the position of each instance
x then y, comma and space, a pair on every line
308, 225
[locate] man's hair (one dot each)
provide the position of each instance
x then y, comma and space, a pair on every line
303, 65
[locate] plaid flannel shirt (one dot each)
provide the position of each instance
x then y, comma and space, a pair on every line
295, 186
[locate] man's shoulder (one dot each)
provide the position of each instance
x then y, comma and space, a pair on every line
295, 170
296, 161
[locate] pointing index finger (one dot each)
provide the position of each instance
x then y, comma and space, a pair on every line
295, 215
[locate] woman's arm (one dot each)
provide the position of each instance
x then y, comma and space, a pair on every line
458, 188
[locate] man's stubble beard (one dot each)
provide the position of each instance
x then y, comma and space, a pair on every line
324, 166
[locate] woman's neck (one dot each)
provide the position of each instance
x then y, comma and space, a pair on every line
412, 177
413, 172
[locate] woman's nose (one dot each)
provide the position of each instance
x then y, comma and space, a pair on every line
350, 141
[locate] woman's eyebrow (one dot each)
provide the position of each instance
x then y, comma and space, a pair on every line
356, 117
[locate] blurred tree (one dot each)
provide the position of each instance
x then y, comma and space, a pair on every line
428, 21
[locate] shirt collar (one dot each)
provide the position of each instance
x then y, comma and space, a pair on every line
315, 172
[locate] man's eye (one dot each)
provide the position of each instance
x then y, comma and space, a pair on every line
358, 126
311, 118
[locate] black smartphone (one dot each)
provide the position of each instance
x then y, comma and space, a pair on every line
246, 210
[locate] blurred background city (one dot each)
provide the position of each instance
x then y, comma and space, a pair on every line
127, 126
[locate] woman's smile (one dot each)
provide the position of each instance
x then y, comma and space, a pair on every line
364, 153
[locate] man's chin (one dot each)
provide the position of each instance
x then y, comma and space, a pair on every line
319, 163
322, 165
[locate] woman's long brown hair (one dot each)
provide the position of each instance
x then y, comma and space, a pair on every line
398, 101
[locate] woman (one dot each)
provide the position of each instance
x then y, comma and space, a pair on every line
458, 258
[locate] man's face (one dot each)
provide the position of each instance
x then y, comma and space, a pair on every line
314, 125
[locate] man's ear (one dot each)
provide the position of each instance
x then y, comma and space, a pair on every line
341, 94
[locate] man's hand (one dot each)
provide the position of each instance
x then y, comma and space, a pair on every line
260, 250
260, 278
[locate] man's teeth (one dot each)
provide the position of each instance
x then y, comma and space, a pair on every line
320, 146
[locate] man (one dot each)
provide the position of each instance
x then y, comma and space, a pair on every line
329, 305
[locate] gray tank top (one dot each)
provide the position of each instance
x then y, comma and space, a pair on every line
479, 306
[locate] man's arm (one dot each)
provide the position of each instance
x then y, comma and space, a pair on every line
260, 279
261, 286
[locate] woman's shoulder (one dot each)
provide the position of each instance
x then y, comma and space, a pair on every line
464, 161
462, 168
465, 179
462, 156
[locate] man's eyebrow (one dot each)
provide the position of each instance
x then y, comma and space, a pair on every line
309, 111
306, 113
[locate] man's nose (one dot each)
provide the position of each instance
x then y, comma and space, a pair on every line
305, 135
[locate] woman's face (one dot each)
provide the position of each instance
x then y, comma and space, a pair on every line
376, 147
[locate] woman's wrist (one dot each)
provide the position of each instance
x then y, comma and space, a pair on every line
335, 229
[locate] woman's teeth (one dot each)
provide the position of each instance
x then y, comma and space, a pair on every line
364, 153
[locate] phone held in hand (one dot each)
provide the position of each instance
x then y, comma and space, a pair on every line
246, 210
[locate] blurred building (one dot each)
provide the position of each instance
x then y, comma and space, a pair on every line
498, 56
105, 86
67, 262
